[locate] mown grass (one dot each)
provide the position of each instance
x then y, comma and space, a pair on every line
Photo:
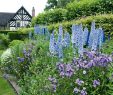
5, 88
108, 47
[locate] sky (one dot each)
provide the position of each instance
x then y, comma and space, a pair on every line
14, 5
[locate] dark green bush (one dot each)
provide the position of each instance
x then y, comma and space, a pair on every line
4, 41
6, 31
105, 21
17, 36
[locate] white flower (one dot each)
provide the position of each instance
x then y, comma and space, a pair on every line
84, 72
6, 56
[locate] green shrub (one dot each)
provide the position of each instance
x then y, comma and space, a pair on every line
105, 21
15, 42
85, 8
17, 36
51, 16
6, 31
74, 10
4, 41
25, 30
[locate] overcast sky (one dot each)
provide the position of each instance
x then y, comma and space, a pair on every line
14, 5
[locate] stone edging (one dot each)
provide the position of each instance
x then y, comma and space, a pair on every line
13, 84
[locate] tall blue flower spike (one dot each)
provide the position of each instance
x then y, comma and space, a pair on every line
91, 34
52, 44
43, 31
101, 38
60, 53
85, 36
66, 41
47, 33
36, 30
60, 36
61, 31
75, 38
80, 40
95, 38
30, 35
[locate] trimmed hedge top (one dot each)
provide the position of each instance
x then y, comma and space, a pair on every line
74, 10
105, 21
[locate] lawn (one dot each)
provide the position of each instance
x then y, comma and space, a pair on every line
5, 88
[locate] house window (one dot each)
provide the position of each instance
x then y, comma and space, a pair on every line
18, 24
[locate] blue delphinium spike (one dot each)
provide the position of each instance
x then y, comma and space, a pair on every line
59, 40
60, 52
95, 40
37, 30
91, 34
80, 40
66, 41
30, 35
51, 44
101, 37
61, 31
47, 33
85, 36
74, 38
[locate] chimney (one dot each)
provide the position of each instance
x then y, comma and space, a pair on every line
33, 12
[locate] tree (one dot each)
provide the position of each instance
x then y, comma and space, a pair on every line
51, 4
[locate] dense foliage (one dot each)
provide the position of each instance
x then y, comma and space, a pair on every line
52, 4
4, 41
74, 10
51, 16
85, 8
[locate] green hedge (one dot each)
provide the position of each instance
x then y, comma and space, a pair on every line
105, 21
6, 31
88, 7
74, 10
17, 36
51, 16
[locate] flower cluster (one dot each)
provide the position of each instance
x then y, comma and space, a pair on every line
96, 83
65, 69
53, 83
82, 66
20, 60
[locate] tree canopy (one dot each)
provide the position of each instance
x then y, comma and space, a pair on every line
51, 4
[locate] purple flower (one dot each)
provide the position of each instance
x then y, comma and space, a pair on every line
79, 82
69, 70
83, 92
52, 80
90, 64
54, 87
61, 67
53, 83
20, 60
96, 83
76, 90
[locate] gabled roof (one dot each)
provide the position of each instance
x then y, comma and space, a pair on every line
5, 17
21, 11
